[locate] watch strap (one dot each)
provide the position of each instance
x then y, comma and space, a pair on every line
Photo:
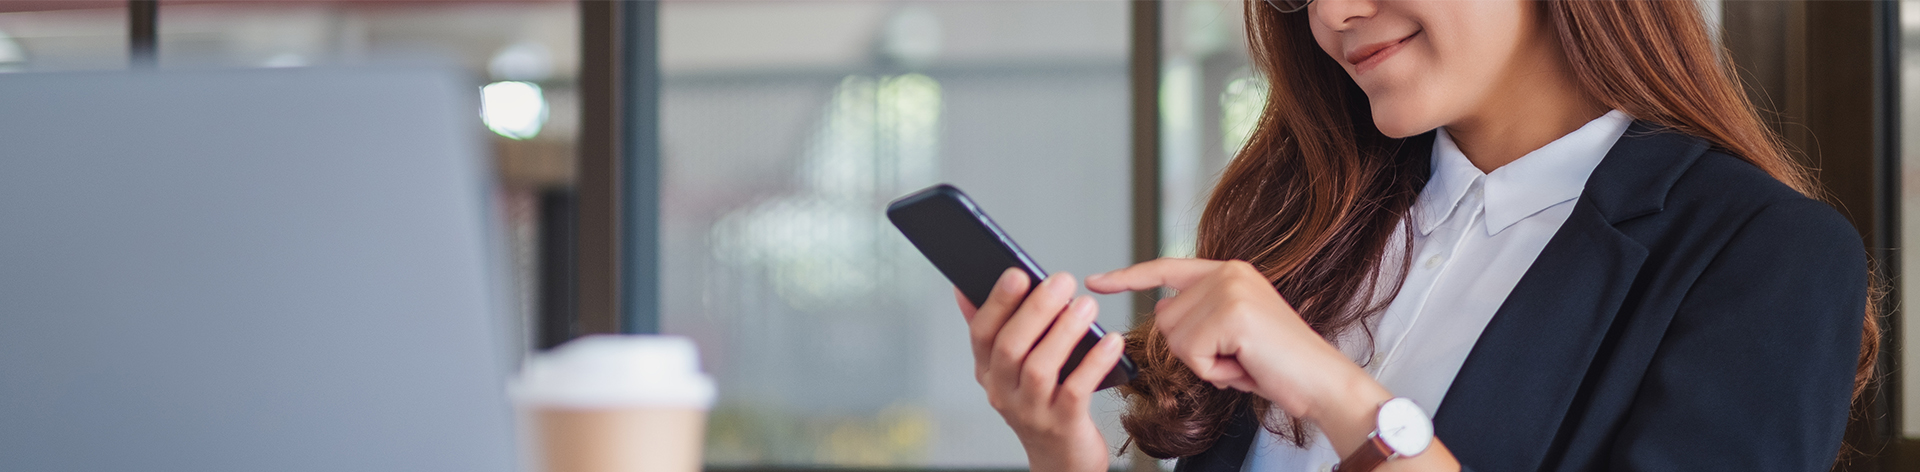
1370, 455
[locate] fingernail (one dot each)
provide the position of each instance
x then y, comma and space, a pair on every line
1115, 346
1086, 307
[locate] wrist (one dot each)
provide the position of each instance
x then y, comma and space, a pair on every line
1067, 453
1345, 411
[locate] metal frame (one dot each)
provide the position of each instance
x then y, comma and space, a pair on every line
143, 32
1900, 453
617, 246
597, 242
1143, 69
639, 276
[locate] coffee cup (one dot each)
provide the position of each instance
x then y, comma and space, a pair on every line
616, 403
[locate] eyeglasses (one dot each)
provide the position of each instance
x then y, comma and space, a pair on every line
1288, 6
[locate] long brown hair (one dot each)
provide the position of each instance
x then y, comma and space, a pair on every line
1314, 198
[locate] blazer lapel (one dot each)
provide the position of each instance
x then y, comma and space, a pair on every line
1513, 392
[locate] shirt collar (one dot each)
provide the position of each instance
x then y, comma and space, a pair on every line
1548, 176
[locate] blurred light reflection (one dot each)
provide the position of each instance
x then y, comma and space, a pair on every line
823, 246
513, 109
12, 58
1240, 106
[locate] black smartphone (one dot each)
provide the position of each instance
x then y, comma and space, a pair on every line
972, 252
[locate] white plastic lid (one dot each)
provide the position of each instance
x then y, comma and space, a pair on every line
613, 371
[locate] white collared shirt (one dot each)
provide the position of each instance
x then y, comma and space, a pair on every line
1475, 235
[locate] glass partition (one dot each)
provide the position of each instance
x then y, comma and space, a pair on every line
788, 126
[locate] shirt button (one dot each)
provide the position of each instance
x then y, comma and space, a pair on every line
1434, 261
1326, 467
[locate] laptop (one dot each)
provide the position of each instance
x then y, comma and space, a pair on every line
250, 270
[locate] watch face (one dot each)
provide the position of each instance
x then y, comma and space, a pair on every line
1404, 427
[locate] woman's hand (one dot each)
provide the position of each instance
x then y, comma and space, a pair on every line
1233, 329
1018, 349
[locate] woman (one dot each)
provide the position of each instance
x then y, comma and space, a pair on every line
1555, 226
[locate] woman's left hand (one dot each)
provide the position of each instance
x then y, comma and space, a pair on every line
1232, 328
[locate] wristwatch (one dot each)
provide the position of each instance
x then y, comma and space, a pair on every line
1400, 429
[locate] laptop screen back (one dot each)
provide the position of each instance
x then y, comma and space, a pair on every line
288, 270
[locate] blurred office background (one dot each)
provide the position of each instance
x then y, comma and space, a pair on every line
717, 169
786, 128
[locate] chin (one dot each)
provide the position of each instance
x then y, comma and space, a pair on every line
1400, 121
1399, 128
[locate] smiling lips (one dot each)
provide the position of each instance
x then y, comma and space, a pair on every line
1369, 56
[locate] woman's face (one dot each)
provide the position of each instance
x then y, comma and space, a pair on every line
1429, 63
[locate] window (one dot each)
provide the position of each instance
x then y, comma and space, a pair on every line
788, 126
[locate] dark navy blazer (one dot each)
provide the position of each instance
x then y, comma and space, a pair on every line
1692, 314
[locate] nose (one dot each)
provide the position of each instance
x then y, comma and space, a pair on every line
1342, 15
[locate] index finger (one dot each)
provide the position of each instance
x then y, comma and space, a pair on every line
1177, 273
966, 306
